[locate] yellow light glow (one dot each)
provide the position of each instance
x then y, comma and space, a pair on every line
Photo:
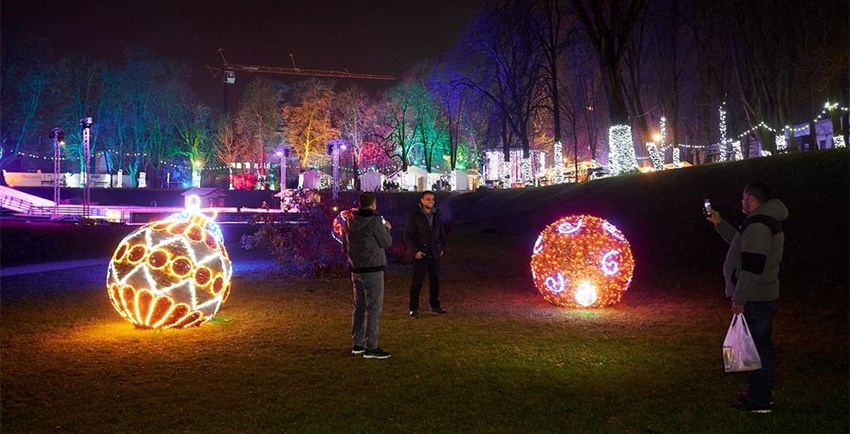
173, 273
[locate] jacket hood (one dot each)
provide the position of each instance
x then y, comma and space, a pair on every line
362, 217
773, 208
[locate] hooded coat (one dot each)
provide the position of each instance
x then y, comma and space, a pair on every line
751, 268
419, 236
365, 238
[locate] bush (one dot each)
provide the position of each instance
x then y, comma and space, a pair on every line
301, 243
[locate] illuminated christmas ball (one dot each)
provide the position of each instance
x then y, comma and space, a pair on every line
173, 273
340, 222
582, 261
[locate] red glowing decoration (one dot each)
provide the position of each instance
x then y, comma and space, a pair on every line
340, 222
582, 261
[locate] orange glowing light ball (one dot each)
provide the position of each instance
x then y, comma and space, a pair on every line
173, 273
582, 261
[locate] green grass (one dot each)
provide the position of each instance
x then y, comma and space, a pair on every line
276, 358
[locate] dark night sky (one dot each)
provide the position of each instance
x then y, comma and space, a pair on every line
376, 37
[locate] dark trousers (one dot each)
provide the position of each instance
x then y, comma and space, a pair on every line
759, 315
420, 268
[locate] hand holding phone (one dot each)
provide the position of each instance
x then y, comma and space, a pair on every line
706, 207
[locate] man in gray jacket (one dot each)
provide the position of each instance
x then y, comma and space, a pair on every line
751, 271
365, 236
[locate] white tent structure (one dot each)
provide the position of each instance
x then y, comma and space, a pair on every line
372, 181
415, 179
313, 179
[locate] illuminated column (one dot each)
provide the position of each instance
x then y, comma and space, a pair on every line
663, 127
676, 157
283, 153
453, 180
85, 126
621, 153
506, 174
196, 174
736, 149
58, 139
781, 144
655, 156
838, 141
558, 158
120, 179
526, 169
723, 131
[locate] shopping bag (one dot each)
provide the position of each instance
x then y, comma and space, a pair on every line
739, 350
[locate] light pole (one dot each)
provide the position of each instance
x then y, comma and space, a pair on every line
58, 140
283, 153
85, 126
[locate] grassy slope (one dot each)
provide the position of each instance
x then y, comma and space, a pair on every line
503, 360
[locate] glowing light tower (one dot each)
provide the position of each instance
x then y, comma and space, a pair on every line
196, 174
85, 126
283, 153
58, 140
334, 147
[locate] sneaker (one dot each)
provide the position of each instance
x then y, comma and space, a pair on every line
439, 311
752, 407
357, 349
377, 353
414, 313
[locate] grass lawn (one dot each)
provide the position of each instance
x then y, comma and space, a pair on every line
276, 358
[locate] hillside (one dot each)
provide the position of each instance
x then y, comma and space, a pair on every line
660, 213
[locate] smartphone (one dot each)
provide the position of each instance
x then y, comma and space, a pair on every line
706, 207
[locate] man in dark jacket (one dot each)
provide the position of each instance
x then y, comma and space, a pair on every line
425, 236
751, 271
365, 236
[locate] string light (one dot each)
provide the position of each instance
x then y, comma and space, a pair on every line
172, 273
723, 131
736, 151
676, 158
558, 159
838, 141
582, 261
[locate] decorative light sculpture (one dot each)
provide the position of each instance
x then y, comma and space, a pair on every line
582, 261
677, 159
780, 142
655, 156
722, 148
737, 155
838, 141
558, 157
340, 222
621, 152
172, 273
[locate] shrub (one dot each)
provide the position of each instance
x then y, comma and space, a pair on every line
301, 242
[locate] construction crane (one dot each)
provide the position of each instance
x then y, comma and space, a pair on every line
229, 72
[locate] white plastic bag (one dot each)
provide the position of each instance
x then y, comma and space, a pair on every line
739, 350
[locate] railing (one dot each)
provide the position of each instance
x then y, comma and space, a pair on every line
15, 204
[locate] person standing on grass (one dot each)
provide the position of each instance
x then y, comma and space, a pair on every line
425, 236
366, 235
751, 271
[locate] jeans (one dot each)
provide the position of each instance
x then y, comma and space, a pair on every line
368, 303
759, 316
420, 268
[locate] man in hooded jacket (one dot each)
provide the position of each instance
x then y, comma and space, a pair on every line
366, 235
751, 271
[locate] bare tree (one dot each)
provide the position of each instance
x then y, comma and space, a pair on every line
308, 120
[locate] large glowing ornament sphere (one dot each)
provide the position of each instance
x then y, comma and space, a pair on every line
340, 221
173, 273
582, 261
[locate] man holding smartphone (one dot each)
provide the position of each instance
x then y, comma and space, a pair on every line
751, 271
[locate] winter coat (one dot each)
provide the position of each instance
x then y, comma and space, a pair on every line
751, 268
364, 239
420, 237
